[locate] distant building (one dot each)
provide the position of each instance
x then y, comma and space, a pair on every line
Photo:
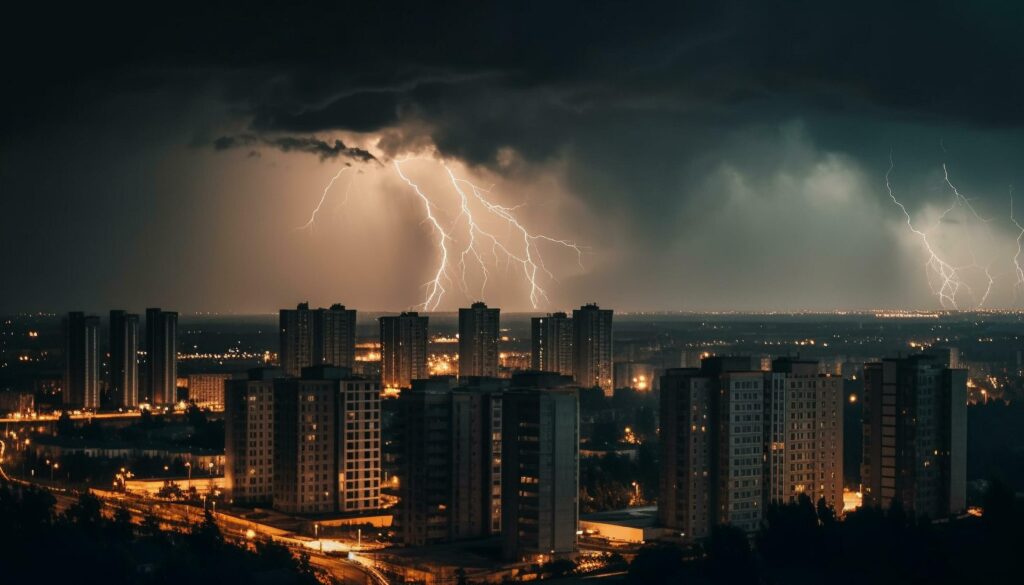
326, 443
403, 348
207, 390
124, 360
81, 361
478, 340
17, 402
551, 343
450, 462
249, 437
592, 348
540, 472
161, 356
915, 435
318, 337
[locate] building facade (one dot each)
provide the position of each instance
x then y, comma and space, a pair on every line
124, 360
81, 361
551, 344
317, 337
592, 348
478, 340
249, 438
540, 472
326, 443
207, 390
403, 349
161, 356
915, 429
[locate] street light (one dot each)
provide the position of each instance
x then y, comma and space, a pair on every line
316, 533
188, 464
53, 468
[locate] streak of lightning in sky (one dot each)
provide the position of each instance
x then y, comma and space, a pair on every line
1016, 257
464, 243
946, 280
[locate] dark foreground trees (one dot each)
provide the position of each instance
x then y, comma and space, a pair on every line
83, 545
803, 543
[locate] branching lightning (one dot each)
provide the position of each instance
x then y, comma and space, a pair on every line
465, 243
948, 281
1016, 257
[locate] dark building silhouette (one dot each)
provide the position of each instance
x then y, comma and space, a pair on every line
124, 360
327, 442
551, 344
450, 460
592, 347
317, 337
915, 435
249, 437
540, 472
478, 340
403, 349
161, 356
81, 361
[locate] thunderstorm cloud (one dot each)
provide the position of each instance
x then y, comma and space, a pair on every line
709, 155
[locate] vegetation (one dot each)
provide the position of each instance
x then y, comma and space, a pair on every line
38, 545
801, 543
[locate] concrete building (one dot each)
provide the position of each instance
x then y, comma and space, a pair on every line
161, 356
81, 361
592, 348
124, 360
735, 439
207, 390
540, 472
478, 340
803, 433
684, 491
915, 435
249, 437
317, 337
450, 462
403, 349
326, 443
551, 343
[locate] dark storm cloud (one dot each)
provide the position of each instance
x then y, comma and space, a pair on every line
320, 148
662, 114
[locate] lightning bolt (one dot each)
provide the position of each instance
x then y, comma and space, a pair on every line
946, 280
465, 243
965, 203
1016, 257
316, 210
947, 274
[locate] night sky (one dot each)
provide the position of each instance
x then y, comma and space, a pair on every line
702, 155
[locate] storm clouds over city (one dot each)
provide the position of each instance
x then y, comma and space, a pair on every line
684, 158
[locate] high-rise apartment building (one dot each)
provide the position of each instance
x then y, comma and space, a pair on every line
915, 429
592, 347
685, 493
124, 360
735, 439
478, 340
207, 390
326, 442
317, 337
403, 349
161, 356
540, 472
249, 437
81, 361
803, 433
551, 343
450, 462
